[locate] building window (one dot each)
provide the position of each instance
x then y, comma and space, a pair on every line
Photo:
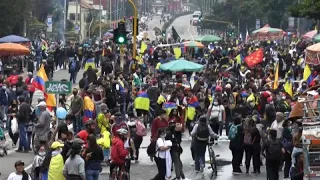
72, 16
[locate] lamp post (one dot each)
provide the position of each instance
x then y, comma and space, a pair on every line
100, 14
135, 23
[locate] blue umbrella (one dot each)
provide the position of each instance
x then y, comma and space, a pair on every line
13, 39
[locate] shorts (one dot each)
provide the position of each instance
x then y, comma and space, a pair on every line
106, 154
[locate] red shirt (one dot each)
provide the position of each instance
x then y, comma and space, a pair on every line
28, 82
157, 124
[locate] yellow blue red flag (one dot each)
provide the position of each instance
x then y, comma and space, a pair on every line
142, 101
39, 83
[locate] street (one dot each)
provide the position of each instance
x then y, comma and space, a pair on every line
184, 28
13, 156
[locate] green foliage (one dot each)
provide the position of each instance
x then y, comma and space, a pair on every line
272, 12
307, 8
12, 14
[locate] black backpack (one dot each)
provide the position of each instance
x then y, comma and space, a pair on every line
151, 150
274, 150
202, 132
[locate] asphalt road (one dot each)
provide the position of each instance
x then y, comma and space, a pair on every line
145, 169
183, 28
155, 22
7, 162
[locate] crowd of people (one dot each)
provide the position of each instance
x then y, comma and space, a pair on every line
110, 113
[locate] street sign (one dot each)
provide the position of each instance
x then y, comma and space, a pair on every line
58, 87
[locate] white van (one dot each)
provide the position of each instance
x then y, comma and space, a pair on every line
195, 17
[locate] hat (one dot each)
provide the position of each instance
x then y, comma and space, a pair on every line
228, 86
56, 145
29, 73
131, 123
104, 108
18, 163
90, 122
76, 146
42, 104
117, 114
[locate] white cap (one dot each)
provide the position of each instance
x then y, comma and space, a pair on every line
42, 104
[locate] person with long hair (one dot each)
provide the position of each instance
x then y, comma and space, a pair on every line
93, 155
74, 168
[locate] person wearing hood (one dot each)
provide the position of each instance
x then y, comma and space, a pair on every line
55, 171
297, 171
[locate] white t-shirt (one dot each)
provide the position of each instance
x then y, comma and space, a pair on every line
216, 111
160, 154
14, 176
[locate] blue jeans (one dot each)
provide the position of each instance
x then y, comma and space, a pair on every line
92, 174
23, 142
73, 77
77, 124
106, 154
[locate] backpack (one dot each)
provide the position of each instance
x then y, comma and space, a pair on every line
247, 138
141, 129
203, 132
233, 132
151, 149
274, 150
73, 65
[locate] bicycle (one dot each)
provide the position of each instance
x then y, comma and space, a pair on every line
212, 157
123, 173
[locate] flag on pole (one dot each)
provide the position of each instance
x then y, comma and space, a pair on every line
276, 77
247, 36
307, 74
288, 88
39, 82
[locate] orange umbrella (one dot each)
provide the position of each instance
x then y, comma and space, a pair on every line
13, 49
193, 44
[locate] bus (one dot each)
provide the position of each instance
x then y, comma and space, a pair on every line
195, 18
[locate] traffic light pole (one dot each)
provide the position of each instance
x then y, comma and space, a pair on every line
135, 23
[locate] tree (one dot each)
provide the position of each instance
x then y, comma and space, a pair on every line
307, 8
12, 15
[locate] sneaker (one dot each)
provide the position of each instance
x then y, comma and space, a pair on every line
197, 171
19, 150
237, 172
201, 169
192, 164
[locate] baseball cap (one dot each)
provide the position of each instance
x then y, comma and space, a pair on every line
56, 145
42, 104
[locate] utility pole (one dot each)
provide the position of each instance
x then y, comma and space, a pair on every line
65, 15
100, 14
110, 13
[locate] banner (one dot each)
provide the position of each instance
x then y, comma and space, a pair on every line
254, 58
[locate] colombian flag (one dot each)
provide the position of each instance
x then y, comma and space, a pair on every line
168, 106
161, 99
142, 101
89, 62
239, 58
39, 82
191, 110
88, 109
288, 88
307, 76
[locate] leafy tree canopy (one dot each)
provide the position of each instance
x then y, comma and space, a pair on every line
307, 8
272, 12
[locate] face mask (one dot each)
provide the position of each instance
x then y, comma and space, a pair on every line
271, 102
14, 89
4, 87
215, 103
42, 153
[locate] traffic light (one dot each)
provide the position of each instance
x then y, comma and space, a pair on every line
200, 18
120, 34
163, 33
